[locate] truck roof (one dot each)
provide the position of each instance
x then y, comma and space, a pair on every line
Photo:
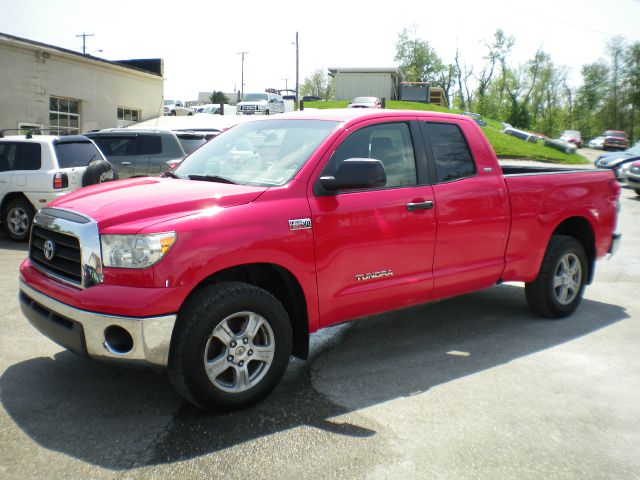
343, 114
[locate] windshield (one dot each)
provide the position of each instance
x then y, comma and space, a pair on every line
365, 100
258, 153
256, 96
169, 102
614, 133
635, 150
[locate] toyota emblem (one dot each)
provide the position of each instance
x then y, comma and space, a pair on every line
49, 249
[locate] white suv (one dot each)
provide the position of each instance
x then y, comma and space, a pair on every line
35, 170
177, 107
260, 104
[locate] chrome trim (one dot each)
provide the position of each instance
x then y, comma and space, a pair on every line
151, 335
86, 231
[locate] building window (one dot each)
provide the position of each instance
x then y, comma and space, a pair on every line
64, 116
127, 116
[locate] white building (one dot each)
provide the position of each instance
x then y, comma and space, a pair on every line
43, 86
365, 82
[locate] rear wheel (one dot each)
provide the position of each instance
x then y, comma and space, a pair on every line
230, 347
17, 218
558, 289
637, 190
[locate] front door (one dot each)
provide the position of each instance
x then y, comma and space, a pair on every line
374, 248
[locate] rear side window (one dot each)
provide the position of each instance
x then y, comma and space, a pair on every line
190, 143
451, 152
114, 146
77, 154
19, 156
149, 145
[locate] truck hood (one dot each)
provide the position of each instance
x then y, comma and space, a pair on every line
139, 202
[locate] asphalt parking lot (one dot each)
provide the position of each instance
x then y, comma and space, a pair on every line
470, 388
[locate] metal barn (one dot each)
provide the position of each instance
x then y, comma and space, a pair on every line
366, 82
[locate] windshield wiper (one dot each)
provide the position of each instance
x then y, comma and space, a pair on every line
211, 178
169, 174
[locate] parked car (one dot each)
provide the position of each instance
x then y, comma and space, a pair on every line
214, 109
596, 142
138, 152
522, 134
177, 107
476, 117
280, 227
260, 104
561, 145
615, 140
311, 98
365, 102
615, 160
572, 136
630, 173
36, 169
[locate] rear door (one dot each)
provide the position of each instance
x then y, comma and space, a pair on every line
374, 247
471, 207
120, 150
148, 146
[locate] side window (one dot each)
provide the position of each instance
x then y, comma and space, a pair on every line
388, 142
116, 146
451, 152
149, 145
20, 156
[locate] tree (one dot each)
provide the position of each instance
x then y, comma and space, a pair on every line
218, 97
632, 82
319, 84
496, 59
419, 62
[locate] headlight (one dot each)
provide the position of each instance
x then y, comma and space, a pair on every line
135, 251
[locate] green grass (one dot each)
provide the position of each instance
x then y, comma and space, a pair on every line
505, 146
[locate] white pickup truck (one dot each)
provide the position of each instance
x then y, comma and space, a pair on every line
177, 107
35, 170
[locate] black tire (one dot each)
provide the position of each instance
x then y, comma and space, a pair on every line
17, 219
558, 289
173, 113
98, 171
212, 330
266, 112
637, 190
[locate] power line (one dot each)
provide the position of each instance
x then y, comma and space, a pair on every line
84, 41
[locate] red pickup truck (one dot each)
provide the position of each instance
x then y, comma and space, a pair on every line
278, 227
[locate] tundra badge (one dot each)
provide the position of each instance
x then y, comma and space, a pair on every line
300, 224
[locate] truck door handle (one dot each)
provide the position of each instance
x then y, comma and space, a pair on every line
427, 205
125, 163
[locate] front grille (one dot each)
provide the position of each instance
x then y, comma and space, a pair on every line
66, 260
248, 108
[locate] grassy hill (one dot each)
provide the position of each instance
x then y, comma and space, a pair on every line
505, 146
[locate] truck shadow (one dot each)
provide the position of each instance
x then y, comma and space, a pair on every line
119, 418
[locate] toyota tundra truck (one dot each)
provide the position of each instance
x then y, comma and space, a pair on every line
219, 271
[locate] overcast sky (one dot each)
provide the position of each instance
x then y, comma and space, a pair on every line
200, 40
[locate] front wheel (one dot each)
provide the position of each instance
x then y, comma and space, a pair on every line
230, 347
637, 190
17, 218
558, 289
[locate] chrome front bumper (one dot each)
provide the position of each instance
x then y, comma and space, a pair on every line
106, 338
